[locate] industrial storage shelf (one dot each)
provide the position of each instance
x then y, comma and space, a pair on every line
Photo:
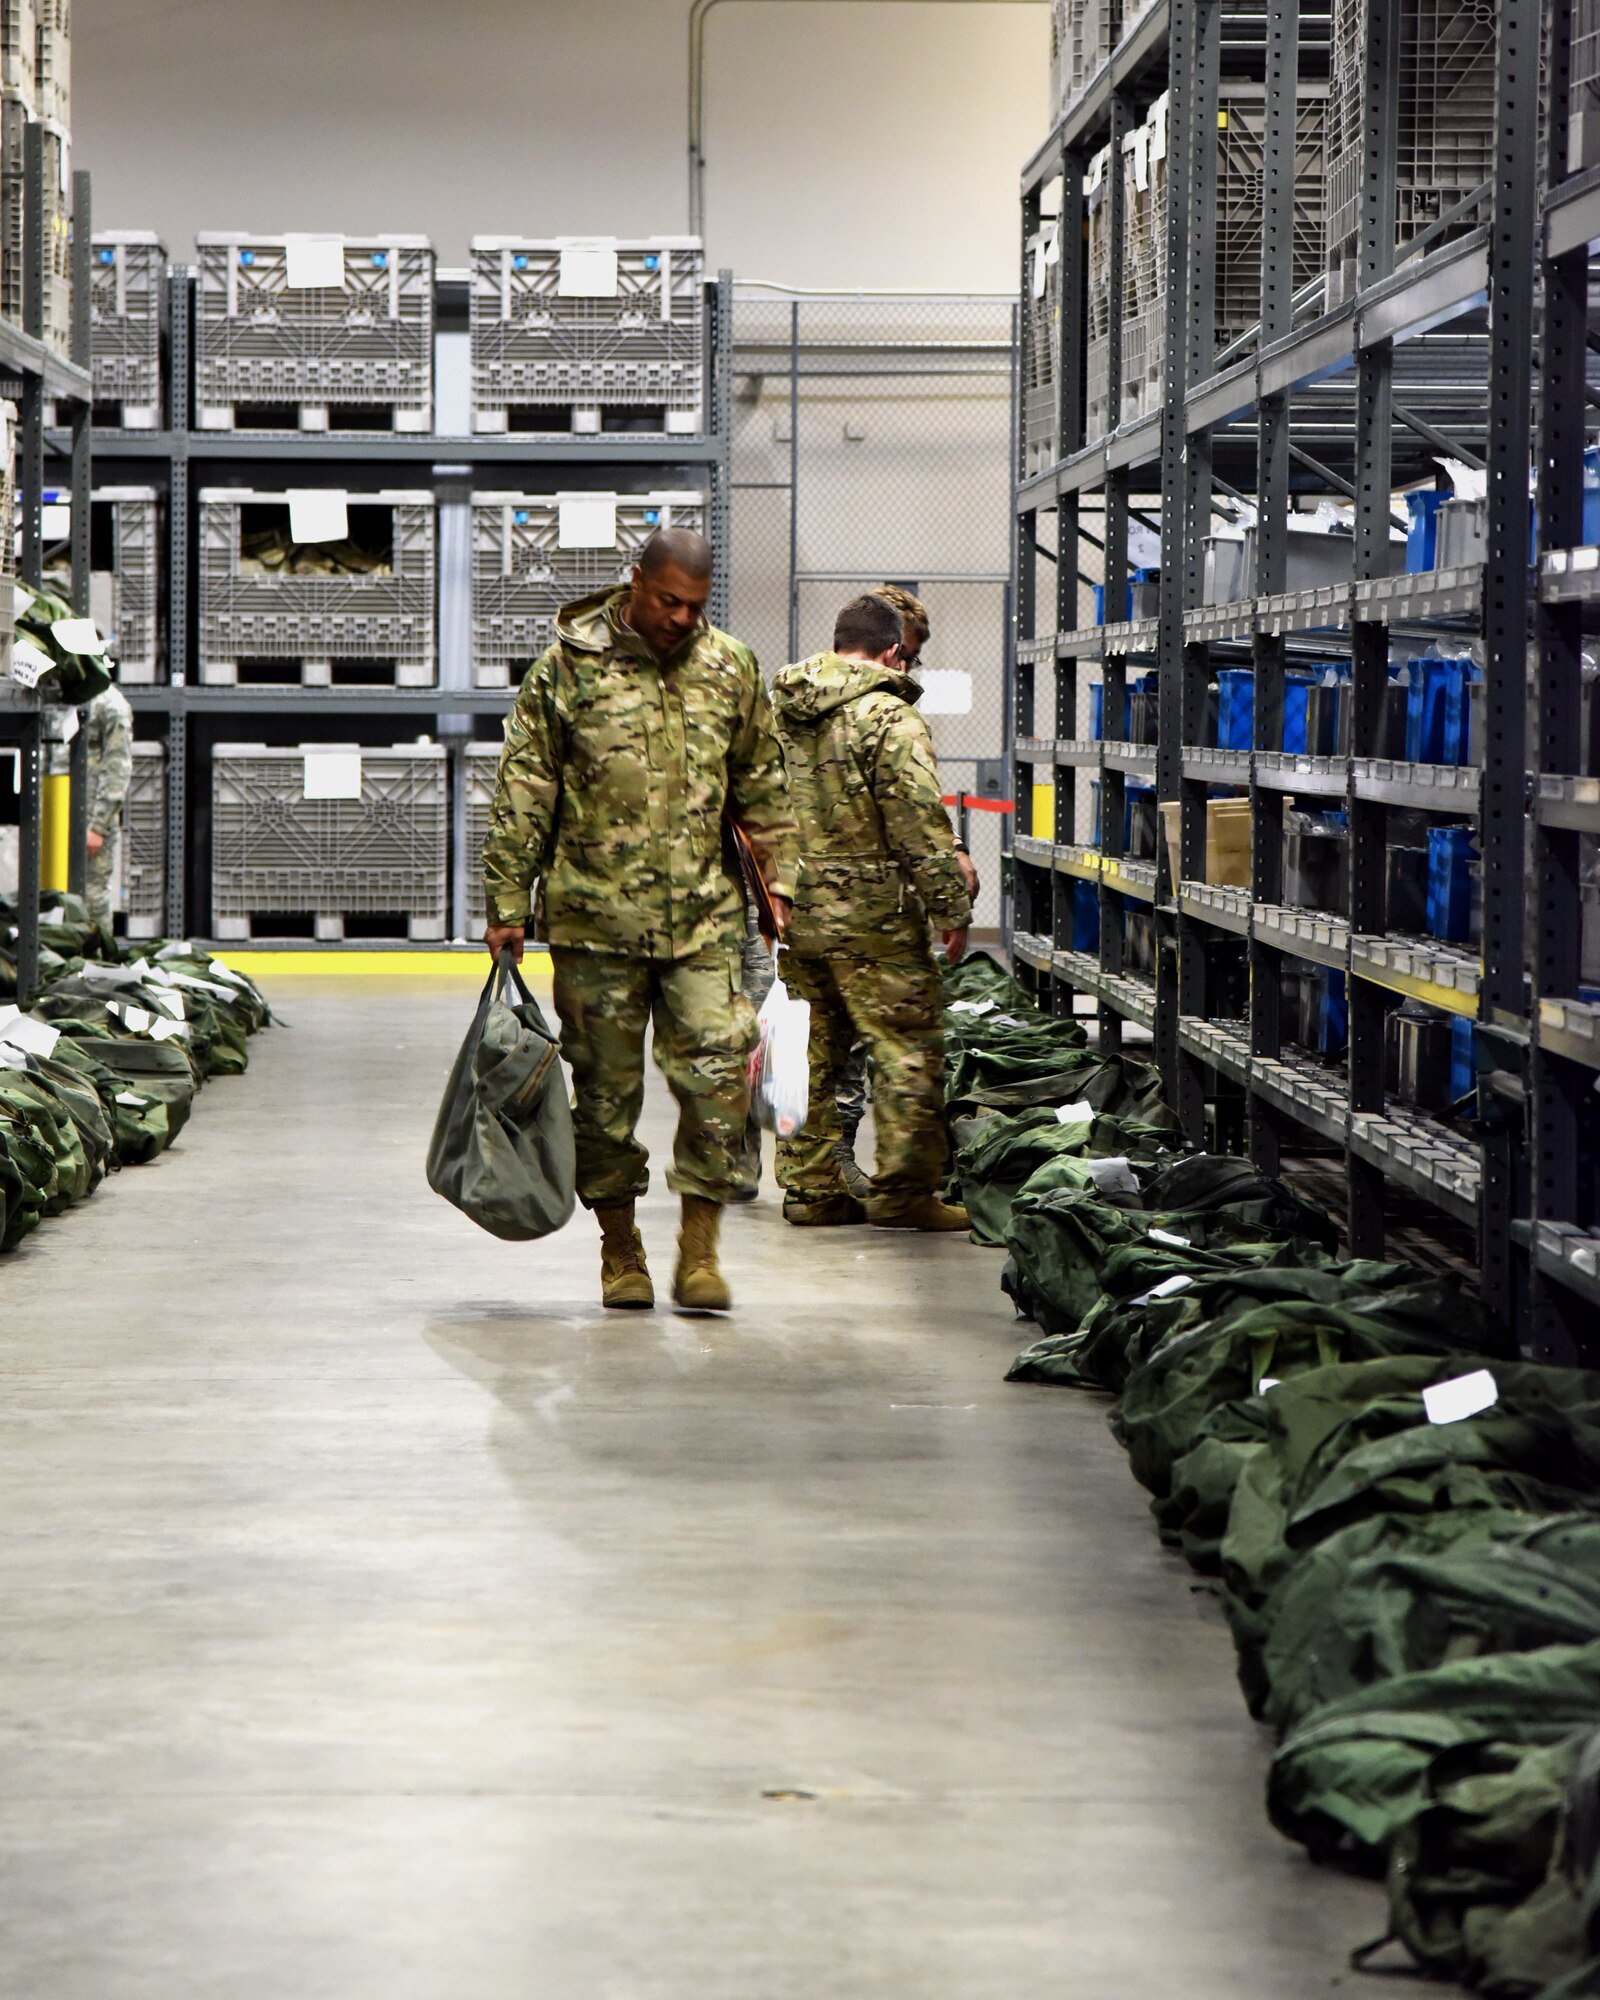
1571, 1028
1413, 339
1569, 1255
1573, 803
189, 698
443, 452
1123, 993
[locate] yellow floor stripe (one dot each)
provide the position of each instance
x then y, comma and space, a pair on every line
470, 967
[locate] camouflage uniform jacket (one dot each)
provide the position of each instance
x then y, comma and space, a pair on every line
612, 784
110, 725
877, 856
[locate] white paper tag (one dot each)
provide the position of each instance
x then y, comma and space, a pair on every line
588, 271
135, 1019
1164, 1290
1075, 1114
163, 1030
111, 977
78, 635
58, 915
197, 985
179, 948
133, 1098
55, 520
1462, 1396
227, 972
313, 263
318, 514
21, 600
587, 521
1172, 1241
12, 1058
945, 691
171, 1004
332, 774
29, 664
34, 1038
1113, 1176
1267, 1382
977, 1008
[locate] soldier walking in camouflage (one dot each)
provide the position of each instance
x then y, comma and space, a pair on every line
630, 737
110, 725
877, 867
851, 1096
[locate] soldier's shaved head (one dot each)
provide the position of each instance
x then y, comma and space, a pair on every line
681, 548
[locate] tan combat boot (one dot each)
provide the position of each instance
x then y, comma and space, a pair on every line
697, 1283
918, 1211
624, 1276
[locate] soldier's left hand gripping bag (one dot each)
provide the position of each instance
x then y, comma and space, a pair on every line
502, 1148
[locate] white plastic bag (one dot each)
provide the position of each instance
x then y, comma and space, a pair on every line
780, 1069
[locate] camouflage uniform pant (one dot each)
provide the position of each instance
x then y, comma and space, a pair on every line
896, 1006
704, 1032
102, 872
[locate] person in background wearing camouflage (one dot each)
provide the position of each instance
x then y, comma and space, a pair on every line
877, 867
109, 721
851, 1095
630, 737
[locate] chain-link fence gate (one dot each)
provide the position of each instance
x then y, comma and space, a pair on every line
872, 443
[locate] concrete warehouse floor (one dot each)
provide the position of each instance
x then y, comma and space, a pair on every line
382, 1620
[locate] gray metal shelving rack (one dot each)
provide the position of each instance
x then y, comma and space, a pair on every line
32, 374
1352, 401
183, 458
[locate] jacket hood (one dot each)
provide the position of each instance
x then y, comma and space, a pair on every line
592, 625
811, 689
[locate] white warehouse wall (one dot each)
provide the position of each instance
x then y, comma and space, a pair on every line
850, 142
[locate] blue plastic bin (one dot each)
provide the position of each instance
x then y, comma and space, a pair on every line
1085, 916
1451, 853
1591, 497
1236, 708
1097, 711
1296, 690
1335, 1017
1458, 745
1422, 537
1437, 690
1463, 1057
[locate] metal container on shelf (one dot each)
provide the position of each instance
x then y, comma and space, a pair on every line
567, 329
1417, 1047
534, 552
124, 574
314, 331
127, 272
1406, 900
326, 833
144, 842
265, 623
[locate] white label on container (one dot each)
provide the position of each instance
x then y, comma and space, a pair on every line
1462, 1396
332, 774
313, 263
1081, 1113
946, 691
55, 521
1167, 1236
587, 521
77, 635
318, 514
28, 664
588, 271
34, 1038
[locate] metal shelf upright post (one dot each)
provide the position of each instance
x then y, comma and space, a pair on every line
35, 373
